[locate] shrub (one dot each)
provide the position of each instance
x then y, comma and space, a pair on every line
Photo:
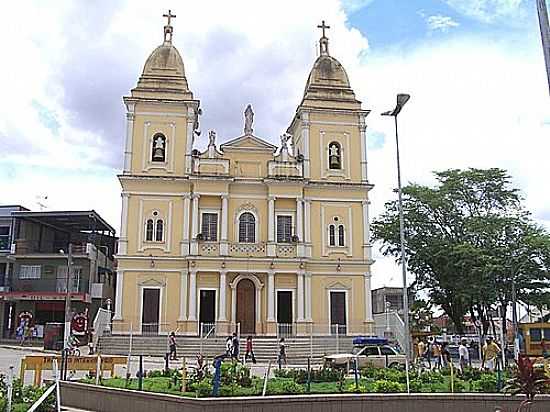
471, 374
415, 385
359, 389
459, 386
325, 375
385, 386
487, 383
203, 388
283, 386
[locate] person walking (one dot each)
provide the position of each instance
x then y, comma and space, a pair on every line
282, 353
436, 351
445, 354
463, 356
228, 346
249, 350
173, 346
235, 347
490, 354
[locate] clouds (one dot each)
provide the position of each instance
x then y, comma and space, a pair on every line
475, 102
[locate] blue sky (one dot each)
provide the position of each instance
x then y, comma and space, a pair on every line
474, 69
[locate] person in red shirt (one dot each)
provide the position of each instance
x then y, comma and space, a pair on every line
249, 350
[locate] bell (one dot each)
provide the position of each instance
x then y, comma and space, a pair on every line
158, 155
334, 161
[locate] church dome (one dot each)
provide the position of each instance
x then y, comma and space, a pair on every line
165, 60
327, 72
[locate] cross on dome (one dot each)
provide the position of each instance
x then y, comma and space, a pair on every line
323, 42
168, 29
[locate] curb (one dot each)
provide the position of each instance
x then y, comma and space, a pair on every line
30, 349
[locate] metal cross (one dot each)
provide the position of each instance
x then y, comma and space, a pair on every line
169, 16
323, 26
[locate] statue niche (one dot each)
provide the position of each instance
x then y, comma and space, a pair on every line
334, 156
159, 148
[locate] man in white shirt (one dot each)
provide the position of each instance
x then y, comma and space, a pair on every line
464, 355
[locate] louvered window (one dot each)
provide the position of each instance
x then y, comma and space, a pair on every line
332, 235
149, 231
341, 235
247, 228
159, 231
210, 227
284, 229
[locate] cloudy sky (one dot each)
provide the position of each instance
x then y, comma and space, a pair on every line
474, 68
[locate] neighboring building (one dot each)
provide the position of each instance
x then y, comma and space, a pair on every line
545, 34
393, 296
36, 286
446, 325
6, 239
245, 232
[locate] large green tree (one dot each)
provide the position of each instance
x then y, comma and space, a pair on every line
467, 239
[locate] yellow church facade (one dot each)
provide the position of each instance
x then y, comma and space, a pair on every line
246, 235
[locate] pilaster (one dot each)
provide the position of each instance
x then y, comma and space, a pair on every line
123, 240
129, 139
195, 224
185, 237
192, 295
119, 291
271, 246
224, 242
223, 301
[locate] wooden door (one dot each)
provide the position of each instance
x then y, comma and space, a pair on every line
150, 310
246, 306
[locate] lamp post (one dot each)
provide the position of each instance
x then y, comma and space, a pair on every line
401, 100
68, 279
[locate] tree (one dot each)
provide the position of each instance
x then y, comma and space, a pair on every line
467, 238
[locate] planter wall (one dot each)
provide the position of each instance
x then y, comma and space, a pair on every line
101, 399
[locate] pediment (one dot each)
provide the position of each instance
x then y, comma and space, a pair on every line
338, 285
152, 282
248, 142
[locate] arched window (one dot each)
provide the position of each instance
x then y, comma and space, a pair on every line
149, 230
341, 235
159, 231
247, 228
158, 152
332, 235
334, 156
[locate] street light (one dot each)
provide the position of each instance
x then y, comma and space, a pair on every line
68, 279
402, 98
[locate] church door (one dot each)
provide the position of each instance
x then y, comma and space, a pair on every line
246, 306
338, 312
150, 311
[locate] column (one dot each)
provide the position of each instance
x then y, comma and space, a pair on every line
123, 241
271, 247
363, 139
129, 140
300, 226
366, 230
195, 224
305, 140
224, 246
307, 221
300, 293
222, 306
368, 298
308, 296
190, 137
118, 294
271, 296
234, 304
192, 295
185, 236
183, 295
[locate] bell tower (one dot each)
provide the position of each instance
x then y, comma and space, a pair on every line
329, 125
162, 115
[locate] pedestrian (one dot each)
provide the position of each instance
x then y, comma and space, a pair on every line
249, 350
421, 348
228, 346
20, 333
490, 354
235, 347
436, 350
463, 356
173, 346
445, 354
282, 353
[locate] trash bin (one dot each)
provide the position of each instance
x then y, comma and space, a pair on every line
53, 336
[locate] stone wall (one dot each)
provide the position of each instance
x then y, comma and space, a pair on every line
94, 398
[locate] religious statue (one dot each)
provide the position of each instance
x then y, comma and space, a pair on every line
248, 120
211, 138
333, 150
284, 140
158, 149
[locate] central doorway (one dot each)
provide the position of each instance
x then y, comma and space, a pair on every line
284, 313
246, 306
338, 319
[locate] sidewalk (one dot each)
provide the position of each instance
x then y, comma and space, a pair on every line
30, 349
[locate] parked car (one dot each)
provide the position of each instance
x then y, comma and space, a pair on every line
368, 351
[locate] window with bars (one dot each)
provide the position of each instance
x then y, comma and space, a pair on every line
341, 235
247, 228
332, 235
29, 272
284, 229
334, 238
209, 227
149, 228
4, 237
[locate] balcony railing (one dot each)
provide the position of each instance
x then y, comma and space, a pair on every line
48, 285
247, 249
26, 247
286, 250
209, 249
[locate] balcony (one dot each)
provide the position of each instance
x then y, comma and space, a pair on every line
247, 249
49, 285
286, 250
209, 248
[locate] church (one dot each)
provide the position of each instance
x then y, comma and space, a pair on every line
245, 236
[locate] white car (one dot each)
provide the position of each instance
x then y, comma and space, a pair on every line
378, 356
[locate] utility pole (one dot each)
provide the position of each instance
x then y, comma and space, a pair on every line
545, 34
68, 312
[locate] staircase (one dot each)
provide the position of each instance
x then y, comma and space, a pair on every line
265, 348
